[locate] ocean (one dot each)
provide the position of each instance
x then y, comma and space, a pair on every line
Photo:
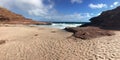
62, 25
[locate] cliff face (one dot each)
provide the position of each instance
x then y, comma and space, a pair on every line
8, 17
110, 18
99, 26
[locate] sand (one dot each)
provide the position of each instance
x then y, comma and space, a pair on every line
40, 43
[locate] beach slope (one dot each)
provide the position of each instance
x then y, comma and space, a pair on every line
38, 43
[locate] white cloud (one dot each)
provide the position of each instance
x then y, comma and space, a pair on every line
76, 1
114, 4
71, 17
97, 6
45, 12
33, 7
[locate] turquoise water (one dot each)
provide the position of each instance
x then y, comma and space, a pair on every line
62, 25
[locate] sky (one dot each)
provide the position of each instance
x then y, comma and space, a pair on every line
59, 10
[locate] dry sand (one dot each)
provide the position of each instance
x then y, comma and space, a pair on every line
38, 43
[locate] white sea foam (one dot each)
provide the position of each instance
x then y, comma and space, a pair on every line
60, 25
63, 25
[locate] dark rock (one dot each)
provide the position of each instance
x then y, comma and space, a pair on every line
98, 26
71, 29
88, 32
110, 18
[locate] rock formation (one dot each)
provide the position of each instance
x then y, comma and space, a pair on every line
106, 20
8, 17
88, 32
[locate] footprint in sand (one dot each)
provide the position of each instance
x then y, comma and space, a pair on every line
2, 42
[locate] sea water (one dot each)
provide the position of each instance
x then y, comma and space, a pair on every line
62, 25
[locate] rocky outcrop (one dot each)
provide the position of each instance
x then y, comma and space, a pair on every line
108, 19
98, 26
88, 32
8, 17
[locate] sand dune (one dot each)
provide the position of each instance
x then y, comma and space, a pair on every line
38, 43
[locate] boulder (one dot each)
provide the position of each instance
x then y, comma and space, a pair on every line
88, 32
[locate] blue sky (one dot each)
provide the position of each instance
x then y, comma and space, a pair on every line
59, 10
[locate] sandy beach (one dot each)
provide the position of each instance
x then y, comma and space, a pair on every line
40, 43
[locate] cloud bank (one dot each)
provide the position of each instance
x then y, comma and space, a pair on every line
32, 7
76, 1
41, 11
114, 4
76, 17
97, 6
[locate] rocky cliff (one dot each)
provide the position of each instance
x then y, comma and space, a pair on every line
8, 17
98, 26
110, 18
